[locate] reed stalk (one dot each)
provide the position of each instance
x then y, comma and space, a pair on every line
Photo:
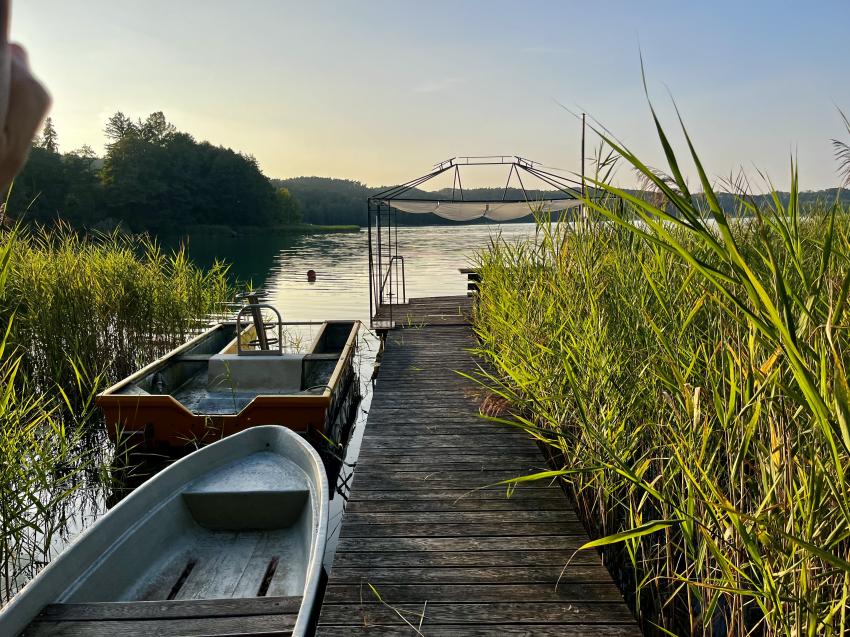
77, 313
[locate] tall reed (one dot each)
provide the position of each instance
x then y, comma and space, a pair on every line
102, 304
689, 371
76, 313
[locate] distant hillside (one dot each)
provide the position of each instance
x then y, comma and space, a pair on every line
327, 201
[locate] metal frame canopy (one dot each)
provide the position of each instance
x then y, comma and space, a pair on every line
386, 265
459, 208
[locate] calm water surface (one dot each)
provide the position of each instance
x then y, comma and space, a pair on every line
432, 256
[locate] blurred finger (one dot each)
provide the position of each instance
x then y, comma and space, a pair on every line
28, 104
19, 53
5, 15
5, 56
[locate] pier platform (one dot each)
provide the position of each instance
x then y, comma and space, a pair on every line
427, 547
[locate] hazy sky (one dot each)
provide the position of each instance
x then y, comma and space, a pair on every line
379, 90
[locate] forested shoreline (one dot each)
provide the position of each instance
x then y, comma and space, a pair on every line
154, 178
326, 200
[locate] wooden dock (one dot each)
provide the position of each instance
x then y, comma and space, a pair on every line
434, 310
425, 550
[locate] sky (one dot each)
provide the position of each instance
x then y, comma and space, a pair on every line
379, 90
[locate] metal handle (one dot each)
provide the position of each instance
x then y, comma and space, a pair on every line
260, 327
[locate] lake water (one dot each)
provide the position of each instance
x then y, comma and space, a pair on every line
432, 257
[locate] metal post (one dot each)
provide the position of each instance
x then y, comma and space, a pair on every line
380, 290
371, 274
257, 315
396, 257
583, 185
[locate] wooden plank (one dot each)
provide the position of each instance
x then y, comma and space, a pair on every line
508, 630
278, 625
483, 518
456, 441
402, 457
549, 575
420, 593
471, 482
511, 465
171, 609
473, 529
575, 612
455, 495
404, 506
378, 465
219, 567
538, 543
471, 477
439, 558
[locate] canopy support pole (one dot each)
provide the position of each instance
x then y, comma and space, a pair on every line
583, 184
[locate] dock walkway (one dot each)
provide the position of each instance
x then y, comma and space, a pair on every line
444, 557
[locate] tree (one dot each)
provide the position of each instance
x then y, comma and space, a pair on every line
156, 128
152, 178
49, 137
118, 126
290, 210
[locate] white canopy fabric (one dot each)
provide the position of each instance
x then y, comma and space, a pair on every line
467, 210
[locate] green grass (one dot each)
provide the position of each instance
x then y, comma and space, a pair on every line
688, 371
76, 314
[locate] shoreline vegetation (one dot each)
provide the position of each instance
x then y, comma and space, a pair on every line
253, 231
687, 371
158, 180
77, 313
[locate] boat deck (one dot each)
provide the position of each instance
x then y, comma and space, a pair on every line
426, 546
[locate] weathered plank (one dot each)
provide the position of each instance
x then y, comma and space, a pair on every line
539, 543
420, 593
508, 630
209, 626
458, 530
511, 464
171, 609
462, 517
455, 495
495, 574
575, 612
506, 504
440, 557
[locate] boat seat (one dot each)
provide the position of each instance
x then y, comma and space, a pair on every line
242, 616
239, 373
262, 493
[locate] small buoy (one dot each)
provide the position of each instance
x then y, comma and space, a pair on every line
311, 275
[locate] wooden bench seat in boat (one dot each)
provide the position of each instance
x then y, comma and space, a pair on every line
247, 616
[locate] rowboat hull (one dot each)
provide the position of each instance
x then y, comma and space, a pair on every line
144, 416
239, 523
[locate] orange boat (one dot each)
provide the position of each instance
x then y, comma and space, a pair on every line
217, 384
